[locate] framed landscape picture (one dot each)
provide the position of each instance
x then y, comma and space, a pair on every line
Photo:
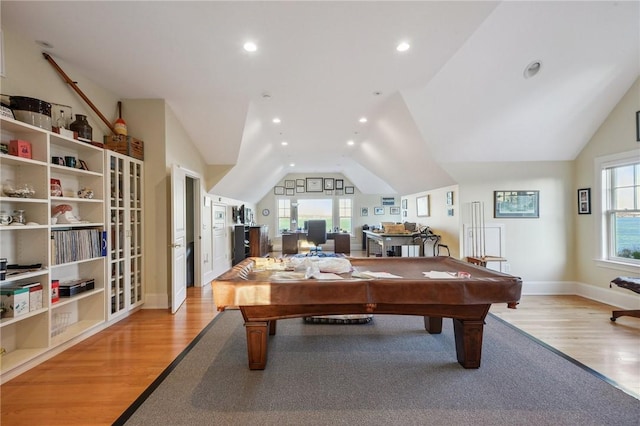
516, 204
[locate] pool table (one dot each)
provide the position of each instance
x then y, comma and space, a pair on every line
465, 295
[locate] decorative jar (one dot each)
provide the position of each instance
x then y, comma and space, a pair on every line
82, 127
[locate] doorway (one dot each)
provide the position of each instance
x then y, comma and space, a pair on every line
191, 231
185, 234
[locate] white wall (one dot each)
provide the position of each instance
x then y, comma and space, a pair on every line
538, 250
617, 134
448, 227
28, 73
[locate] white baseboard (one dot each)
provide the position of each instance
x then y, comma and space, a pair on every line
622, 298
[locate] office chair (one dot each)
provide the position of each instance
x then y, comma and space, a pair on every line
317, 233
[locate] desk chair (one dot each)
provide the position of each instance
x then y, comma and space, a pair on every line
317, 233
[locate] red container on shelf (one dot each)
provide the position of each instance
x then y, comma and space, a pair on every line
20, 148
55, 291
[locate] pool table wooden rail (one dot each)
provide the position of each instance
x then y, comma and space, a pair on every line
467, 300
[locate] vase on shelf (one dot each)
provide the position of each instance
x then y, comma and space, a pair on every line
81, 126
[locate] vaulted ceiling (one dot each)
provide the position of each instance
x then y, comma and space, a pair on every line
458, 94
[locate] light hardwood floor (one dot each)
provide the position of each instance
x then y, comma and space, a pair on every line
93, 382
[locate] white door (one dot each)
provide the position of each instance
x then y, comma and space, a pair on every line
220, 255
178, 238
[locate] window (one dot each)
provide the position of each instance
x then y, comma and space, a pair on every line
315, 208
621, 218
345, 213
284, 214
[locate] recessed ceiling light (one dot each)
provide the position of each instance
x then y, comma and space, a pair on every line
532, 69
292, 164
276, 120
403, 47
284, 143
350, 142
363, 119
250, 46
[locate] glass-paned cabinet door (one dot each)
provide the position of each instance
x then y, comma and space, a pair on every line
116, 181
126, 231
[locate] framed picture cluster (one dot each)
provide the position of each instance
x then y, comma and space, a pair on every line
328, 186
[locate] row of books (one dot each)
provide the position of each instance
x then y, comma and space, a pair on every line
78, 244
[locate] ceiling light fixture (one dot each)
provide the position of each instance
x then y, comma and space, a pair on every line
292, 164
532, 69
403, 47
250, 46
284, 143
276, 120
363, 119
350, 142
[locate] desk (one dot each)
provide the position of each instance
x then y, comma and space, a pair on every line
387, 241
342, 241
263, 300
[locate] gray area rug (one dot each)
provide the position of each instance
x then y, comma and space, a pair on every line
387, 372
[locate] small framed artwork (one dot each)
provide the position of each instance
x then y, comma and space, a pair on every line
516, 204
278, 190
299, 189
339, 183
405, 203
388, 201
404, 213
289, 183
638, 126
378, 210
299, 182
290, 191
449, 212
328, 183
394, 210
314, 185
449, 198
364, 211
83, 165
584, 201
348, 190
422, 205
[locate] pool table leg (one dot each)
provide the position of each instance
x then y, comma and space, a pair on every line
468, 336
433, 324
257, 343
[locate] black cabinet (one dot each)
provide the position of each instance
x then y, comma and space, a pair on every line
250, 241
240, 243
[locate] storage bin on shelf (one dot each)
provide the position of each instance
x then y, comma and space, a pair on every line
127, 145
